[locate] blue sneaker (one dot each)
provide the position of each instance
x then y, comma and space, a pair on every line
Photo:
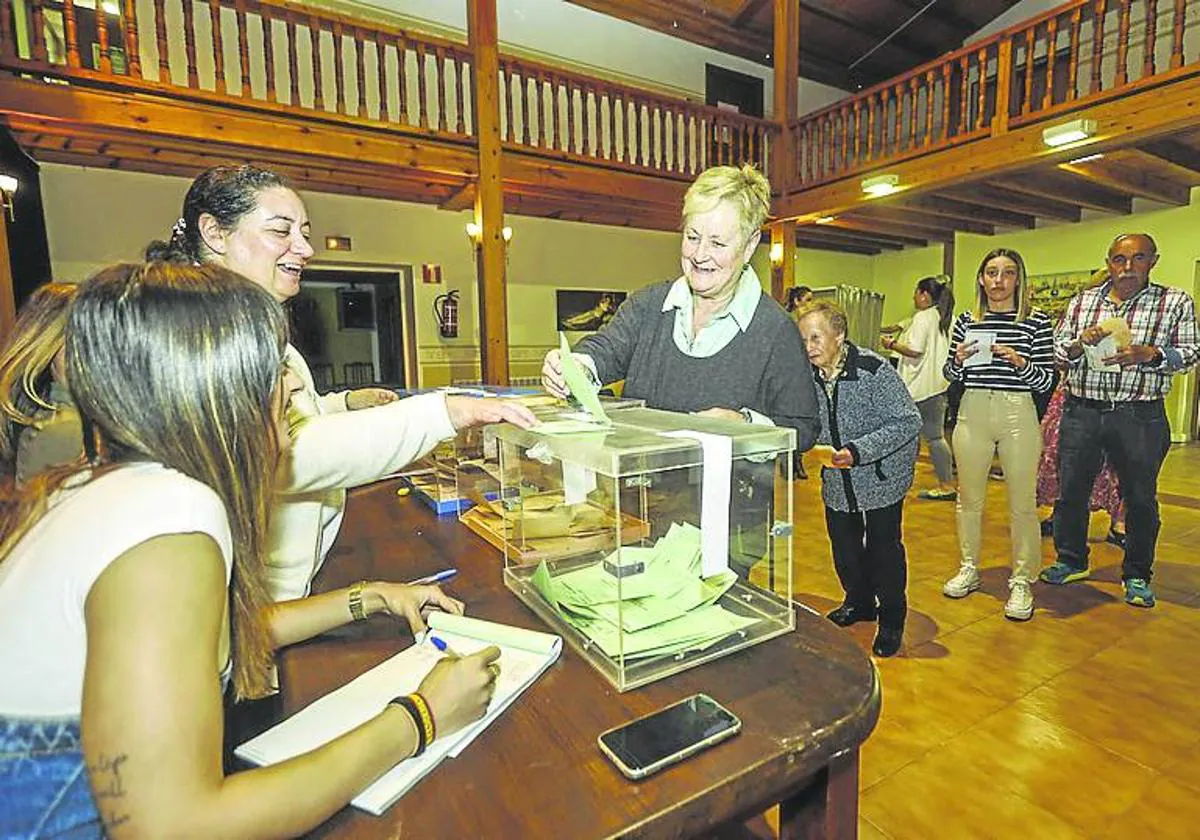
1061, 573
1138, 593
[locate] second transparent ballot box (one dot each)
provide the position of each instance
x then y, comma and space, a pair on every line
654, 544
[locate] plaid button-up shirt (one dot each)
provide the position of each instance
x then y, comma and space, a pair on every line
1159, 316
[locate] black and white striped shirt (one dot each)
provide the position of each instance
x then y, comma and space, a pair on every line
1032, 338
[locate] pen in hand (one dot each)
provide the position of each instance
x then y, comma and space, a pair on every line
441, 645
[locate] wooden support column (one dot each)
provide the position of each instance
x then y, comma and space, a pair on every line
489, 201
783, 258
787, 82
8, 294
948, 259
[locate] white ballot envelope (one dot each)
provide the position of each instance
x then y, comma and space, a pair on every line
984, 339
1097, 353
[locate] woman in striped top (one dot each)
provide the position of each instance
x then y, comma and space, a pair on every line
1002, 353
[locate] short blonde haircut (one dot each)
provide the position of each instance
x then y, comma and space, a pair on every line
834, 314
745, 187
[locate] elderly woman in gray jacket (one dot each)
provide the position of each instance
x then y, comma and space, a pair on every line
869, 427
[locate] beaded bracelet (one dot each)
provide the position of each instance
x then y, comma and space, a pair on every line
426, 716
356, 605
409, 705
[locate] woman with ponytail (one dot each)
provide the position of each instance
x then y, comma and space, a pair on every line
923, 348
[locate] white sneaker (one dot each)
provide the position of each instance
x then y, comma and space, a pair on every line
963, 583
1020, 601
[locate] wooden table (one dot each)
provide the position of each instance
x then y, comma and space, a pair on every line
807, 700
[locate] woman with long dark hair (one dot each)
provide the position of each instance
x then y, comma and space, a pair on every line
1002, 352
923, 347
132, 587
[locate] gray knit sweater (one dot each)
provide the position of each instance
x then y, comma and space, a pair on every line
873, 415
763, 368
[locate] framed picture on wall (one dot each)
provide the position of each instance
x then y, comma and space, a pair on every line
1052, 292
582, 310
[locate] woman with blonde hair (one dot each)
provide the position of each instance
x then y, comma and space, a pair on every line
41, 425
710, 341
132, 586
1002, 352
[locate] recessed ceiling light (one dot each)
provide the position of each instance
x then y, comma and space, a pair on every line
878, 185
824, 220
1068, 132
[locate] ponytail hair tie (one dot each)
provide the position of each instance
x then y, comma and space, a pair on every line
178, 229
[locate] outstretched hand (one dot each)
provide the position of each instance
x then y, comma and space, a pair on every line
466, 412
369, 398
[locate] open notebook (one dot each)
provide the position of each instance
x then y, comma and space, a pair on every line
524, 655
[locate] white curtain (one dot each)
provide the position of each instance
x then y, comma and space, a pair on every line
864, 312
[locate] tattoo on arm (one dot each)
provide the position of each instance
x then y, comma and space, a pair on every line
109, 789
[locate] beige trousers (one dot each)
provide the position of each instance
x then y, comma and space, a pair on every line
1004, 421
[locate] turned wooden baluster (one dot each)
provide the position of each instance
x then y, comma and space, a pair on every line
930, 87
1177, 33
314, 38
189, 43
585, 122
268, 36
914, 98
555, 115
1151, 34
105, 64
540, 99
360, 67
1097, 43
1051, 51
870, 127
524, 105
37, 23
855, 151
440, 55
422, 103
982, 60
218, 46
1027, 100
1122, 74
460, 122
610, 97
160, 39
1073, 64
381, 76
293, 62
964, 106
70, 33
625, 129
239, 13
898, 118
507, 76
402, 75
947, 73
570, 91
639, 143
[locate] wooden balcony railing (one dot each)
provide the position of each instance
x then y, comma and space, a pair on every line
281, 56
1070, 57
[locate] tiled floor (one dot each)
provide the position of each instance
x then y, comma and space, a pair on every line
1084, 722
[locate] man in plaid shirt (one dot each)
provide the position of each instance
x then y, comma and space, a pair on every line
1114, 406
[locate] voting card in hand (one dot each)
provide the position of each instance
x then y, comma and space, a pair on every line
984, 339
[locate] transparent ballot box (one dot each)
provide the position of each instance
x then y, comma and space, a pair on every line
477, 473
654, 544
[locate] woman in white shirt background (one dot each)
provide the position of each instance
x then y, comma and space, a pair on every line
131, 584
922, 348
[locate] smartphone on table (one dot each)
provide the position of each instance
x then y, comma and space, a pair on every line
661, 738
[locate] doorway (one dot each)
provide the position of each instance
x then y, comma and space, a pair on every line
347, 324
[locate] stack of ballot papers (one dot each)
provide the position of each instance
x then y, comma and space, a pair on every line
665, 609
524, 655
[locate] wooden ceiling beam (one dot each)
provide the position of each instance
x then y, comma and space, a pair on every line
1173, 152
1049, 184
900, 234
748, 11
462, 198
956, 209
1124, 175
997, 196
833, 12
897, 228
849, 237
934, 221
830, 245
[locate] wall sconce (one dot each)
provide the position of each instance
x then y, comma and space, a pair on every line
776, 253
8, 190
878, 185
475, 233
1068, 132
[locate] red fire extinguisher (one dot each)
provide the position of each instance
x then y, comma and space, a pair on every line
445, 310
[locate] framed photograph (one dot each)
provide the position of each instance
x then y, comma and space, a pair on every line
586, 311
1052, 292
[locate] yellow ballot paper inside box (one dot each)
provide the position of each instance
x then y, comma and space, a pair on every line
524, 656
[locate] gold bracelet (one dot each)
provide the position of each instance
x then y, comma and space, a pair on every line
356, 605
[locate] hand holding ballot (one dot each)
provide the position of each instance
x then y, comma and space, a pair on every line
976, 349
834, 459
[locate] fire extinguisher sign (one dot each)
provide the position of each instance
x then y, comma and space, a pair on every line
431, 273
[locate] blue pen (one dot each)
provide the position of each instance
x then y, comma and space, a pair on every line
436, 577
443, 647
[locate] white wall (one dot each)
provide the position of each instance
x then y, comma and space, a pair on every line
555, 29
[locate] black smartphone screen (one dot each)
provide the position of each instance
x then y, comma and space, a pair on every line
647, 741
